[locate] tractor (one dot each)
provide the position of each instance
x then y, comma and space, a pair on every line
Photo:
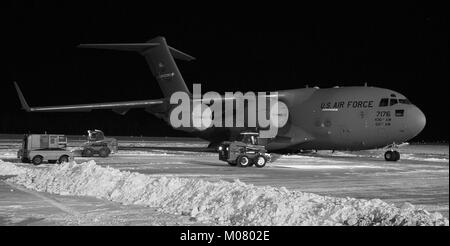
98, 144
244, 152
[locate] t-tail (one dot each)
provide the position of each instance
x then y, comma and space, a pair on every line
160, 58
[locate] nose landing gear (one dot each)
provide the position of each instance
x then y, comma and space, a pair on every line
391, 154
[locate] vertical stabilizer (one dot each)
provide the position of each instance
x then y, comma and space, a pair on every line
160, 58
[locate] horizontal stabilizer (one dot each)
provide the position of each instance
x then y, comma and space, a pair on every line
160, 58
180, 55
138, 47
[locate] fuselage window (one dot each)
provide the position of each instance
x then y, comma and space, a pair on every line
384, 102
399, 113
393, 102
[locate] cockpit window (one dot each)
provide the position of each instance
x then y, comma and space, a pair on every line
404, 101
393, 102
384, 102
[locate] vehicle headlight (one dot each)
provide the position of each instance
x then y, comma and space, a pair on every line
220, 147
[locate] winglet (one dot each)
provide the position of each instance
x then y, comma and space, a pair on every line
21, 98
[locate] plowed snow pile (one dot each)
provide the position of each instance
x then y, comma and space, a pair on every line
221, 202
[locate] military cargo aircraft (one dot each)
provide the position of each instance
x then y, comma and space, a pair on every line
338, 118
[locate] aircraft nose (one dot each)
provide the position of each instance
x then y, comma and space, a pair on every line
417, 120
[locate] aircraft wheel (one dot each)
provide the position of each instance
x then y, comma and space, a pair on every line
37, 160
243, 161
388, 155
391, 155
260, 161
397, 155
87, 152
63, 159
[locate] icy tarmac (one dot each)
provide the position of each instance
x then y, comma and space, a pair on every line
420, 178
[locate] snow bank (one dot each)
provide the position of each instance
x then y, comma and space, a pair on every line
7, 168
225, 203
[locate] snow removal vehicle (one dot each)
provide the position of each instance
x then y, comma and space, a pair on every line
37, 148
98, 144
244, 152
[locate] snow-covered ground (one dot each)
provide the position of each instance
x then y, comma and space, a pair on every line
224, 203
178, 185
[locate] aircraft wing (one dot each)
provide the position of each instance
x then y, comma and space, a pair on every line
118, 107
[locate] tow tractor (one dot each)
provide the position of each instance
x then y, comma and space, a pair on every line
97, 144
245, 152
37, 148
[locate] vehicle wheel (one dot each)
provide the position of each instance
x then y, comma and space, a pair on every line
87, 152
37, 160
63, 159
260, 161
243, 161
231, 163
103, 152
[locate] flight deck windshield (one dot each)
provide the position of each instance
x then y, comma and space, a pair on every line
384, 102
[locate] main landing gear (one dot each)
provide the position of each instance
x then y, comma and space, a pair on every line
391, 154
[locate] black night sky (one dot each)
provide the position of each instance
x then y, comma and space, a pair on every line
238, 48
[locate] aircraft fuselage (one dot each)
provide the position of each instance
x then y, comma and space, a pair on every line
345, 118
